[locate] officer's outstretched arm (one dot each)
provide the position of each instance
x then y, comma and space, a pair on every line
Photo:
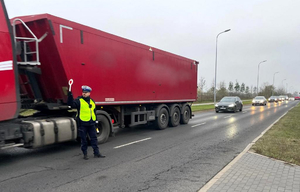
71, 102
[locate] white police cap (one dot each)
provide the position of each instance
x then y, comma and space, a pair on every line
86, 88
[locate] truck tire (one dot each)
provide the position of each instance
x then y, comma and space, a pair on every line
162, 119
186, 115
175, 117
103, 129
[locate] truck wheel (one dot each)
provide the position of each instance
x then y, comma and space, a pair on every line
175, 117
162, 119
103, 129
186, 115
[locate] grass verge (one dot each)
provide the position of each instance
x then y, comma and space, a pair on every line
202, 107
282, 141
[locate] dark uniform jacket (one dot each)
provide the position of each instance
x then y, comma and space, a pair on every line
75, 103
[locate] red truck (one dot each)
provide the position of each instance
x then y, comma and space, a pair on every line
132, 83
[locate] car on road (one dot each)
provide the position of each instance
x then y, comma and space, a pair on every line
259, 100
273, 99
280, 99
297, 98
229, 103
283, 97
291, 98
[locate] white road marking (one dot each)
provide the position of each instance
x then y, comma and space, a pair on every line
132, 143
244, 111
199, 124
227, 116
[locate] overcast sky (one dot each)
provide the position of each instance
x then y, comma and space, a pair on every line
260, 30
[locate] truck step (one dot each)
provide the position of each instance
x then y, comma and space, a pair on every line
28, 53
29, 63
7, 146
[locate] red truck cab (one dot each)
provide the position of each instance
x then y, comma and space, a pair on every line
9, 97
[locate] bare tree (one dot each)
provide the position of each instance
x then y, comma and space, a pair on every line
222, 84
280, 91
202, 83
222, 90
201, 87
266, 90
254, 90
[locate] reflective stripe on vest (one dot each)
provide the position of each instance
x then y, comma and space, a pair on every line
86, 113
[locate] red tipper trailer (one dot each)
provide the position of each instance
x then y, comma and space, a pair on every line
120, 71
132, 83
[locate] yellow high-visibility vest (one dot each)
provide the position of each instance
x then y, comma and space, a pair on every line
86, 113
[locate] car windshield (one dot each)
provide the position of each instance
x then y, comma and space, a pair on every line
259, 97
228, 100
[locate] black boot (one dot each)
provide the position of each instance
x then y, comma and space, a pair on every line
99, 155
85, 157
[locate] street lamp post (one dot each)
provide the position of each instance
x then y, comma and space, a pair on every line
274, 80
258, 76
215, 88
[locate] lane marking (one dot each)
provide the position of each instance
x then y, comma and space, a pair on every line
199, 124
244, 111
132, 143
227, 116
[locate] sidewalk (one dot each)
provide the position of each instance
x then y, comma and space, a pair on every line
251, 172
254, 173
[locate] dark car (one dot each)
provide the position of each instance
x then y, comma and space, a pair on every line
273, 99
229, 104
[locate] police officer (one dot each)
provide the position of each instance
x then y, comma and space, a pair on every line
86, 116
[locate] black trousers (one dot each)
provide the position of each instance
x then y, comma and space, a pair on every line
91, 130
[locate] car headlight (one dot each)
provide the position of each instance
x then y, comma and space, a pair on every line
231, 105
261, 101
253, 101
216, 105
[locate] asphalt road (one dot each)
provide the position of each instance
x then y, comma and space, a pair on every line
183, 158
